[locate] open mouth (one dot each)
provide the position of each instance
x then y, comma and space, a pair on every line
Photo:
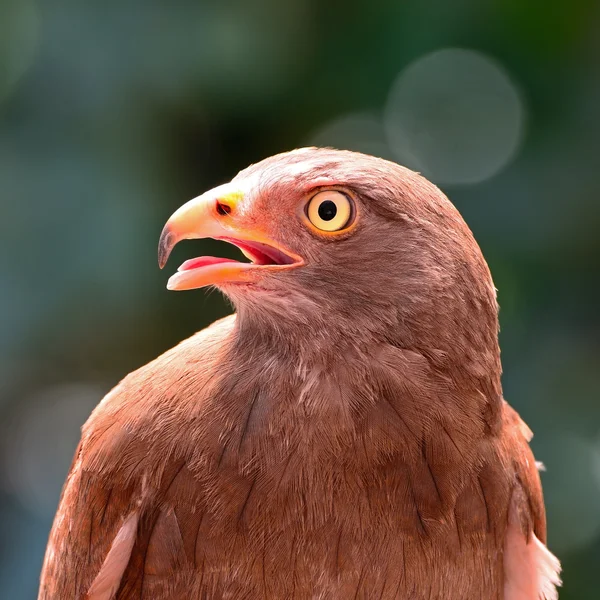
213, 270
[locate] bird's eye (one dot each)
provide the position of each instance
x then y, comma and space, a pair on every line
329, 210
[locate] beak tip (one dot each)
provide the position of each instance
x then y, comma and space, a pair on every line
165, 245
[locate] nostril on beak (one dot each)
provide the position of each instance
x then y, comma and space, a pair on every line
222, 208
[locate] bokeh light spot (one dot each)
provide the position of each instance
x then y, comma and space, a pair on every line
455, 116
41, 442
19, 34
571, 491
359, 131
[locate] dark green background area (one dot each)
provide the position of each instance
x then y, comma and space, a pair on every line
113, 114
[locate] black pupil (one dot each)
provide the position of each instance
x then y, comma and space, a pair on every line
327, 210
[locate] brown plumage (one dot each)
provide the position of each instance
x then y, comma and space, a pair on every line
342, 436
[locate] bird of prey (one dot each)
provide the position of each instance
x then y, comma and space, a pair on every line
343, 435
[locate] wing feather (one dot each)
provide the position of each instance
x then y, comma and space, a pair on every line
108, 580
531, 571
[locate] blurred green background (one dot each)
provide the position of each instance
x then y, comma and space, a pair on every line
112, 114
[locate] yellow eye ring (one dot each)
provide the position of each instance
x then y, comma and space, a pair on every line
329, 210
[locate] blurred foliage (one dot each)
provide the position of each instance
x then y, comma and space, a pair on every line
112, 114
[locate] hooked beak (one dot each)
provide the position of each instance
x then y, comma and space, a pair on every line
216, 215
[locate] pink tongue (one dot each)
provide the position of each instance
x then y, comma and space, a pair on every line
203, 261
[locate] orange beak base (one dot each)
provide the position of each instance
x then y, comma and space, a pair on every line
213, 215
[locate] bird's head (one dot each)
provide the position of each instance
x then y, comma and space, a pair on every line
341, 244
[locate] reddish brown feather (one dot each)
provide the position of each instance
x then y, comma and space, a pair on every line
283, 456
